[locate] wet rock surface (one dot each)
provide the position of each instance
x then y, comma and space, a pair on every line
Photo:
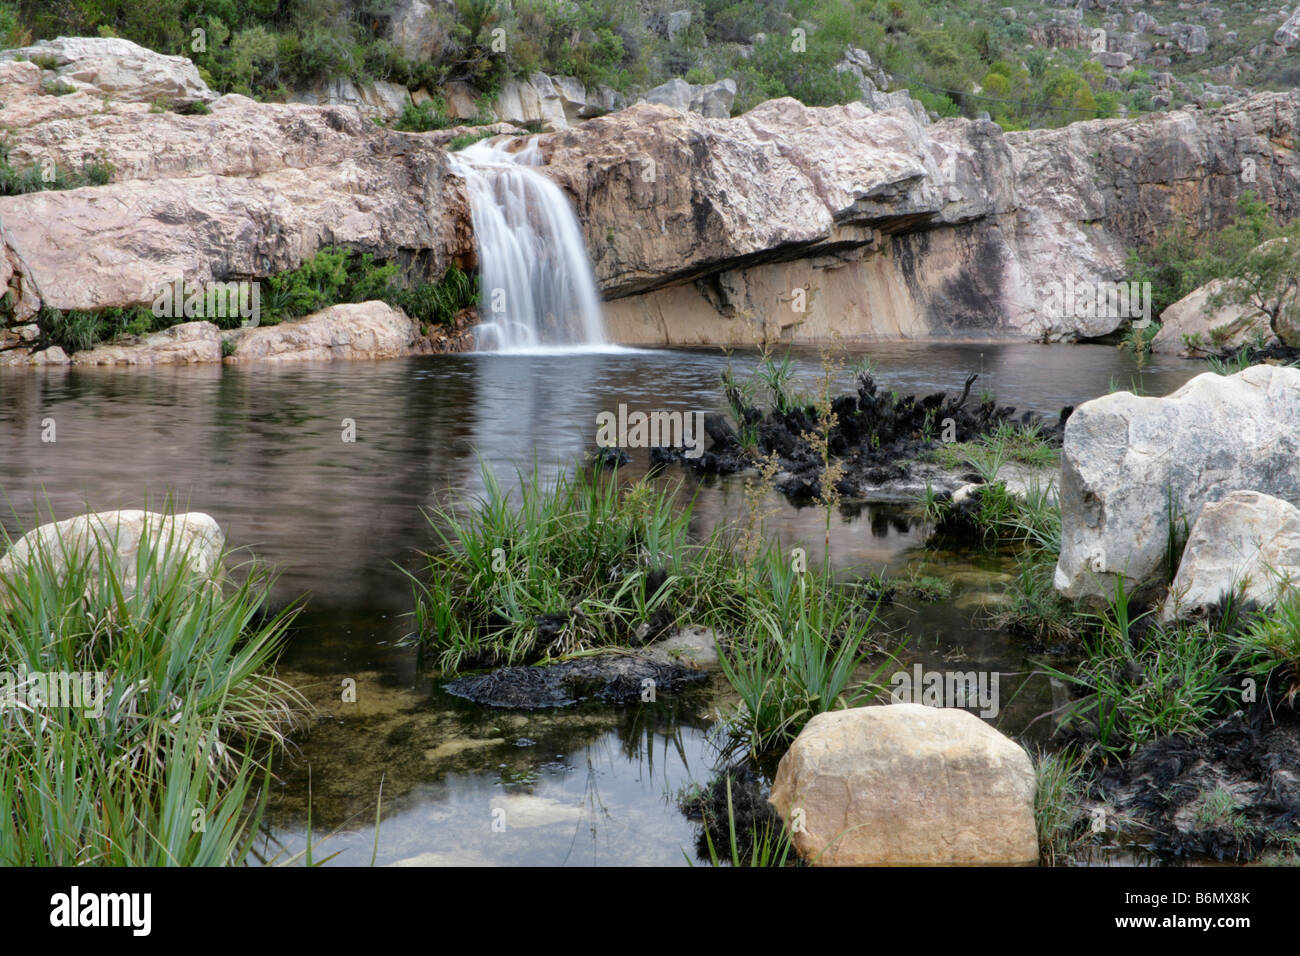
612, 678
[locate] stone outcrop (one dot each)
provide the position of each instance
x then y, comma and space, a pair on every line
190, 343
1247, 544
788, 223
193, 538
367, 330
118, 69
247, 191
1193, 326
693, 223
1128, 461
907, 785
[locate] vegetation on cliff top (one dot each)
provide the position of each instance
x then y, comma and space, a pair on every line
954, 56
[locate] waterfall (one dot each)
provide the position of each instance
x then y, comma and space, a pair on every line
537, 288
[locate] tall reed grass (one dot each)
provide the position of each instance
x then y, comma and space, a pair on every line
166, 761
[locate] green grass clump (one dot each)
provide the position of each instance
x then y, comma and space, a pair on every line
173, 769
1036, 609
1061, 784
1024, 444
585, 561
796, 651
1270, 645
423, 117
571, 564
1140, 681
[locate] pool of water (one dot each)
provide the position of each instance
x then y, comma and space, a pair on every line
262, 449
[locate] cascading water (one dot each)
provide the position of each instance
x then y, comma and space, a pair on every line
536, 282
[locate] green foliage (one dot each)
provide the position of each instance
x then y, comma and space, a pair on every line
187, 714
937, 50
570, 564
423, 117
1270, 644
1061, 785
467, 139
795, 650
1140, 681
437, 303
1258, 261
75, 330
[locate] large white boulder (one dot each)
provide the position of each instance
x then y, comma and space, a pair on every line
364, 330
1128, 461
1247, 544
1193, 319
117, 68
907, 785
194, 538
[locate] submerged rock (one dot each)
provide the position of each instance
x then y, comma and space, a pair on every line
1247, 544
1128, 462
907, 785
613, 678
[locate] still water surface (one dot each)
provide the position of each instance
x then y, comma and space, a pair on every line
261, 449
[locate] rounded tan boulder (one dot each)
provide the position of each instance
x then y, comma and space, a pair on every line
907, 785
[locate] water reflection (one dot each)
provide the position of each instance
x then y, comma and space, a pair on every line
261, 449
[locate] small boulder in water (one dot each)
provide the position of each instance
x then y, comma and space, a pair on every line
907, 785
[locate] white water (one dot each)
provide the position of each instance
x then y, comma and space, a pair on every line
537, 289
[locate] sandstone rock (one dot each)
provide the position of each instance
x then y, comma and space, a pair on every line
1246, 544
193, 539
908, 785
120, 69
189, 343
675, 94
271, 184
414, 28
1193, 319
378, 99
894, 225
1191, 38
1125, 457
1288, 34
714, 100
366, 330
1113, 61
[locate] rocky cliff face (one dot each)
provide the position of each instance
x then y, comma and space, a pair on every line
721, 230
244, 191
787, 223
